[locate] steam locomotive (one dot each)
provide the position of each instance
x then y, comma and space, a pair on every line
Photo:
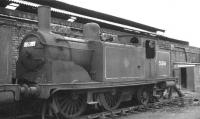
69, 74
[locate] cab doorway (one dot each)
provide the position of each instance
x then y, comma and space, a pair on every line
183, 78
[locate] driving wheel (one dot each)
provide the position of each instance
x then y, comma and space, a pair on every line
143, 95
70, 105
110, 100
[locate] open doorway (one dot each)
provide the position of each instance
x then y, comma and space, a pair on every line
183, 78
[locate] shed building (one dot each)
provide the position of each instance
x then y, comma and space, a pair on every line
17, 17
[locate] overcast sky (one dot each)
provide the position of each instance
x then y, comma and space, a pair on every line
180, 18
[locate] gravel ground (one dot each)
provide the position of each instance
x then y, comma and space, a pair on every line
192, 112
187, 112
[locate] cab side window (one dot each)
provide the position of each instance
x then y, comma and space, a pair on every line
150, 49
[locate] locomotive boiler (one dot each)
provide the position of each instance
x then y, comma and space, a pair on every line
70, 74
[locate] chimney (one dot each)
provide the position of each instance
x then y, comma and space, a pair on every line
44, 18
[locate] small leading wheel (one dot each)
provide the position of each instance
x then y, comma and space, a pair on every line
143, 95
109, 100
70, 105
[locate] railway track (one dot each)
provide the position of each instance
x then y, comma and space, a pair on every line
177, 102
173, 103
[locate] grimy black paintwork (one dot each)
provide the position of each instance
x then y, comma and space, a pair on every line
88, 70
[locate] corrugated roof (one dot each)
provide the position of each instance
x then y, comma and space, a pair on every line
91, 13
64, 11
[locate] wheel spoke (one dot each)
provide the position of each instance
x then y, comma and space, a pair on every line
66, 106
143, 95
75, 107
71, 107
70, 110
110, 101
63, 104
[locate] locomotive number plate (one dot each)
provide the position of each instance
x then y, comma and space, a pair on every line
29, 44
162, 63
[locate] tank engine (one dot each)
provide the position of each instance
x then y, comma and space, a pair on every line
71, 73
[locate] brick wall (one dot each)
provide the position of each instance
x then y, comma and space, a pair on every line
180, 53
